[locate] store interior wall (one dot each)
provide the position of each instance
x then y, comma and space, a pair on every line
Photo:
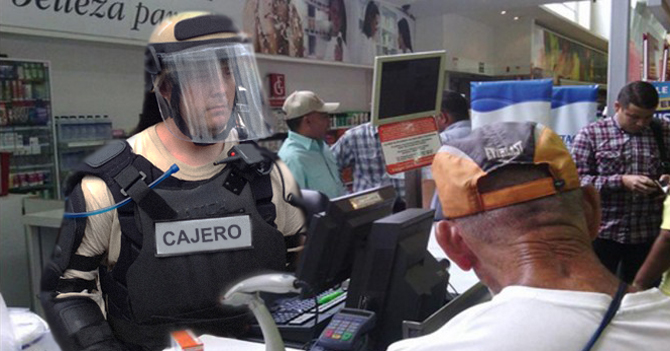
498, 42
102, 78
478, 45
445, 32
601, 13
87, 77
497, 46
348, 85
512, 48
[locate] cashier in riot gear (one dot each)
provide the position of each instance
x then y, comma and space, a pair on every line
124, 274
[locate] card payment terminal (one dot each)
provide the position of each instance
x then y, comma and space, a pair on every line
346, 331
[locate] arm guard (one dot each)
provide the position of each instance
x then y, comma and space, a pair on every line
76, 322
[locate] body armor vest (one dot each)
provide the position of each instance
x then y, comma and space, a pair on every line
148, 296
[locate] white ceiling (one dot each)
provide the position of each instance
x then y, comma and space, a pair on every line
427, 8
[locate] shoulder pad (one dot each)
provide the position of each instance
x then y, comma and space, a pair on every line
106, 153
104, 162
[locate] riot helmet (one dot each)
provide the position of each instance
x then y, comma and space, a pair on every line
206, 80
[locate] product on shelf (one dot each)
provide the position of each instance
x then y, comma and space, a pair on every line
78, 136
26, 131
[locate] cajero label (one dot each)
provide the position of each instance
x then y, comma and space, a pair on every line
201, 235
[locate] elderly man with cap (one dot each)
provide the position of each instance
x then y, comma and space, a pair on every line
517, 215
304, 151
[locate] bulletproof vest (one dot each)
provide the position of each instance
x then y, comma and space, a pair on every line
149, 293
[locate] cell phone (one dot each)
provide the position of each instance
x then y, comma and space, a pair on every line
661, 186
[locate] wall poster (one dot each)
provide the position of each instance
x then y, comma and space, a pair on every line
351, 31
557, 57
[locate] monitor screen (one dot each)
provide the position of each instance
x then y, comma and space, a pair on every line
407, 86
335, 234
396, 277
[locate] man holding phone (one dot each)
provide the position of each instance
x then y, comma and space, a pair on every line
621, 157
661, 185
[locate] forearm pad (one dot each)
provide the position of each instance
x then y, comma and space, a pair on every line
78, 324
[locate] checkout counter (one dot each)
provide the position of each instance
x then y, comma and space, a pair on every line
42, 223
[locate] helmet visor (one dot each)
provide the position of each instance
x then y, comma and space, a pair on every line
212, 93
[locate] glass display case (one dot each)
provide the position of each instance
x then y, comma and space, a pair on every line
26, 127
78, 136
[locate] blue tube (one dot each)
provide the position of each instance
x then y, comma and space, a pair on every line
173, 169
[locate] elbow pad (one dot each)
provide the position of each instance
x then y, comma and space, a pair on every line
78, 324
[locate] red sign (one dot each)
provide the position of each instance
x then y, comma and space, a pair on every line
277, 89
409, 144
4, 172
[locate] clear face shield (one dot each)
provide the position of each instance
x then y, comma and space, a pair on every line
211, 92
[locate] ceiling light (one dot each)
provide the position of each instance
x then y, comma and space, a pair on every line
503, 12
516, 18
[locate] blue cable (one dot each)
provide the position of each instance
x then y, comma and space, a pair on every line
173, 169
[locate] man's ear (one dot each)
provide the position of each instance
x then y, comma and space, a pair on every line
446, 118
165, 89
449, 238
591, 199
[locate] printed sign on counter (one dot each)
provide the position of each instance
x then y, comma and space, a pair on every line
410, 144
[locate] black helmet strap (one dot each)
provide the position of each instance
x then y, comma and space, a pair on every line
203, 25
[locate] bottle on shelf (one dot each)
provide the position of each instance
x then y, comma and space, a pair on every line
24, 117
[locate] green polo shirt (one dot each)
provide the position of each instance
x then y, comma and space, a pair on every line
312, 164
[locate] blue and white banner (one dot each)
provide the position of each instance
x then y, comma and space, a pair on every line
572, 107
511, 101
663, 109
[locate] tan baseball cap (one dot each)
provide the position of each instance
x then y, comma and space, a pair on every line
300, 103
461, 163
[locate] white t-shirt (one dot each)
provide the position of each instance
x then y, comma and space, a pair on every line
523, 318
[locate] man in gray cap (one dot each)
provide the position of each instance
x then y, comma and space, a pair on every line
304, 151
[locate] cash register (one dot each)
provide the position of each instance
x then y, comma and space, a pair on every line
363, 271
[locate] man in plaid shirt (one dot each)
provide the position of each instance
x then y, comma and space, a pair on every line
621, 158
361, 148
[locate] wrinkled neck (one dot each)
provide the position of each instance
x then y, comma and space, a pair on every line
549, 258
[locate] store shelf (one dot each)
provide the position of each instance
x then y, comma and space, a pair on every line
78, 136
87, 143
20, 128
30, 167
25, 189
26, 129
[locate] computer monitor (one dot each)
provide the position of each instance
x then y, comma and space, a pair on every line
396, 277
335, 234
407, 86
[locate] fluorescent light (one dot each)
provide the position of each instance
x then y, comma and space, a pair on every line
516, 18
503, 12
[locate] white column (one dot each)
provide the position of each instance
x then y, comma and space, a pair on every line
617, 61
